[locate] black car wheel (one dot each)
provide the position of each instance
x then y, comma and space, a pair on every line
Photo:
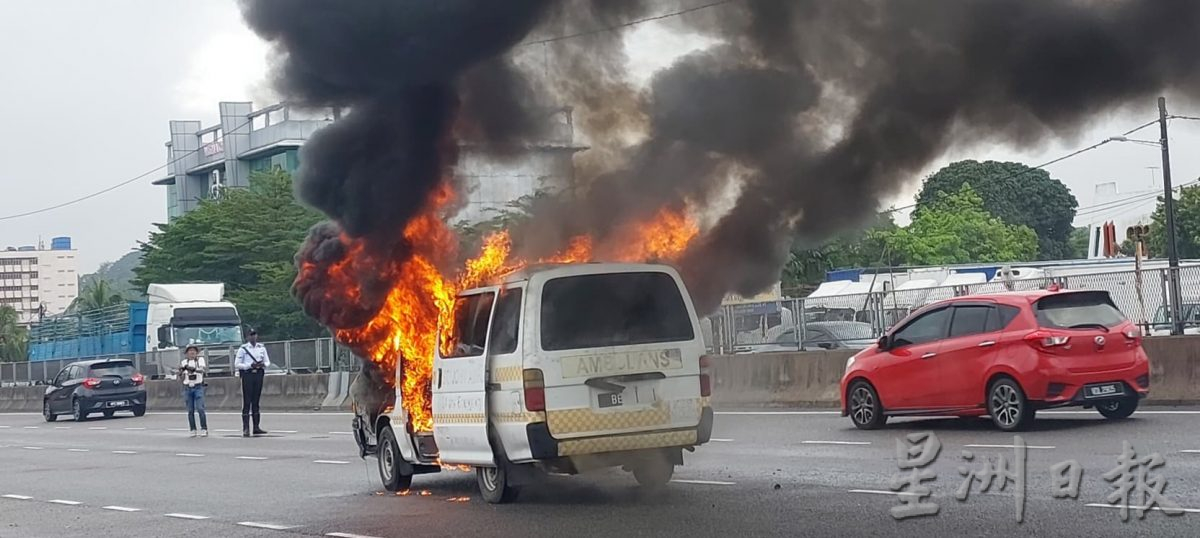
865, 410
50, 417
139, 410
77, 411
1118, 409
391, 462
1008, 407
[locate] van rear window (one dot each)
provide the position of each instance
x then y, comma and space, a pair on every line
613, 309
116, 368
1077, 310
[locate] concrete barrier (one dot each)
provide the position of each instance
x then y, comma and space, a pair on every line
22, 399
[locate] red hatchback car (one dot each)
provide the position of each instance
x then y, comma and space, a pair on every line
1006, 355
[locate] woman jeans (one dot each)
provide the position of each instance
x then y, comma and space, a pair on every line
194, 397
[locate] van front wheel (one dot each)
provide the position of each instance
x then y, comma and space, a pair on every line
390, 462
493, 484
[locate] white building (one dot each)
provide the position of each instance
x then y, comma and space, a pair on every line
33, 278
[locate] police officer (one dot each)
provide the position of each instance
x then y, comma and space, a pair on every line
252, 362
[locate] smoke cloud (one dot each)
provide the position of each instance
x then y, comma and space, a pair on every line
812, 112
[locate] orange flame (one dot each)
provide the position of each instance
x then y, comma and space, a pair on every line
406, 327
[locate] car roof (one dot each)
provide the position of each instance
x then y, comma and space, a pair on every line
99, 361
1007, 297
554, 270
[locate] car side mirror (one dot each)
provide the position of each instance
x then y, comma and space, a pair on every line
825, 345
883, 343
164, 337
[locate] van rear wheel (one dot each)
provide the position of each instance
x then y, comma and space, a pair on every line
654, 473
493, 484
390, 462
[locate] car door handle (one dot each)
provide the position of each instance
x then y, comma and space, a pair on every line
929, 355
987, 343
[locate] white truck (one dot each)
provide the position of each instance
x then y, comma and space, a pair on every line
559, 369
179, 315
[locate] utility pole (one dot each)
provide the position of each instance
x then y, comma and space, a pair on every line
1169, 209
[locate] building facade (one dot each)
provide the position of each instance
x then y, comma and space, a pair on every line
37, 281
202, 161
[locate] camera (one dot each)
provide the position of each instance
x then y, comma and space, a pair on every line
192, 377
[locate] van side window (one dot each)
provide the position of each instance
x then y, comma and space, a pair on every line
469, 335
507, 322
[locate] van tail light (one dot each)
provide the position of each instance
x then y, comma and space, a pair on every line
1046, 339
705, 380
138, 379
535, 390
91, 382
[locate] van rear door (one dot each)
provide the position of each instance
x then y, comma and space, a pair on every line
619, 353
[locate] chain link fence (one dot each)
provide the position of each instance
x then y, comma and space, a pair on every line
852, 321
287, 357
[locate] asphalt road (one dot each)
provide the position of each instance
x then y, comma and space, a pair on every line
766, 473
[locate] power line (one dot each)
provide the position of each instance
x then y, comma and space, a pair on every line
626, 24
1177, 117
118, 185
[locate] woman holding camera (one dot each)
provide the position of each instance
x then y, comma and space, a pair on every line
191, 371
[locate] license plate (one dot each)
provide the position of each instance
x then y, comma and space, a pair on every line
610, 399
119, 403
1103, 390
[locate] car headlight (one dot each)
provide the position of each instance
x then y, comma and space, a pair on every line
850, 362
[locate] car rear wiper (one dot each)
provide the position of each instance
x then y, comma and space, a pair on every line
1090, 326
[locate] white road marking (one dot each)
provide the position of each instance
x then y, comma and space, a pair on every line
98, 428
227, 431
1034, 447
704, 482
68, 503
1190, 451
32, 427
874, 491
179, 429
78, 450
715, 440
62, 427
778, 413
189, 455
121, 508
17, 497
341, 433
32, 447
185, 516
332, 462
132, 429
5, 427
255, 458
348, 535
284, 431
1148, 412
268, 526
123, 452
1132, 507
835, 442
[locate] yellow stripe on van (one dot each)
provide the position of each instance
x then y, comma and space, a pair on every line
459, 418
581, 420
615, 443
507, 374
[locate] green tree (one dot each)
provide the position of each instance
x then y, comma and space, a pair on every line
866, 247
955, 228
247, 240
1017, 194
1187, 225
1077, 243
13, 337
96, 294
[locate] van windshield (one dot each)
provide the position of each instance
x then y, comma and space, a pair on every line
616, 309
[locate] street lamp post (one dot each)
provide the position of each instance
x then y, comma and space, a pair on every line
1169, 210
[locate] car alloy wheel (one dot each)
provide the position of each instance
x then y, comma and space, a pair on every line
50, 417
1008, 407
865, 409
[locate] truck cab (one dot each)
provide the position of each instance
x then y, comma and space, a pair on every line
179, 315
562, 369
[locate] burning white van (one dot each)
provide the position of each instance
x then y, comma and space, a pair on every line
557, 368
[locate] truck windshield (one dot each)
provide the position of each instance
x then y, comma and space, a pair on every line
208, 335
588, 311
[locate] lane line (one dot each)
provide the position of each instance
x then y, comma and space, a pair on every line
783, 413
268, 526
189, 455
78, 450
874, 491
33, 427
1132, 507
1190, 451
179, 429
133, 429
62, 427
284, 431
341, 433
348, 535
5, 427
33, 448
704, 482
331, 462
186, 516
1035, 447
98, 428
227, 431
66, 502
715, 440
121, 508
255, 458
835, 442
17, 497
1148, 412
123, 452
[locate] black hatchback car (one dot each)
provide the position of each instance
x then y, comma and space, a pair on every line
99, 386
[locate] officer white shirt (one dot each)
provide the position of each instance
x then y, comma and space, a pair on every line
248, 354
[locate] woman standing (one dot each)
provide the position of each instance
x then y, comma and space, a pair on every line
191, 371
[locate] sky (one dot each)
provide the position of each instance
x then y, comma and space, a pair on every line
88, 88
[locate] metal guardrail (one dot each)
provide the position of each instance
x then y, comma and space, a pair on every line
747, 327
289, 357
